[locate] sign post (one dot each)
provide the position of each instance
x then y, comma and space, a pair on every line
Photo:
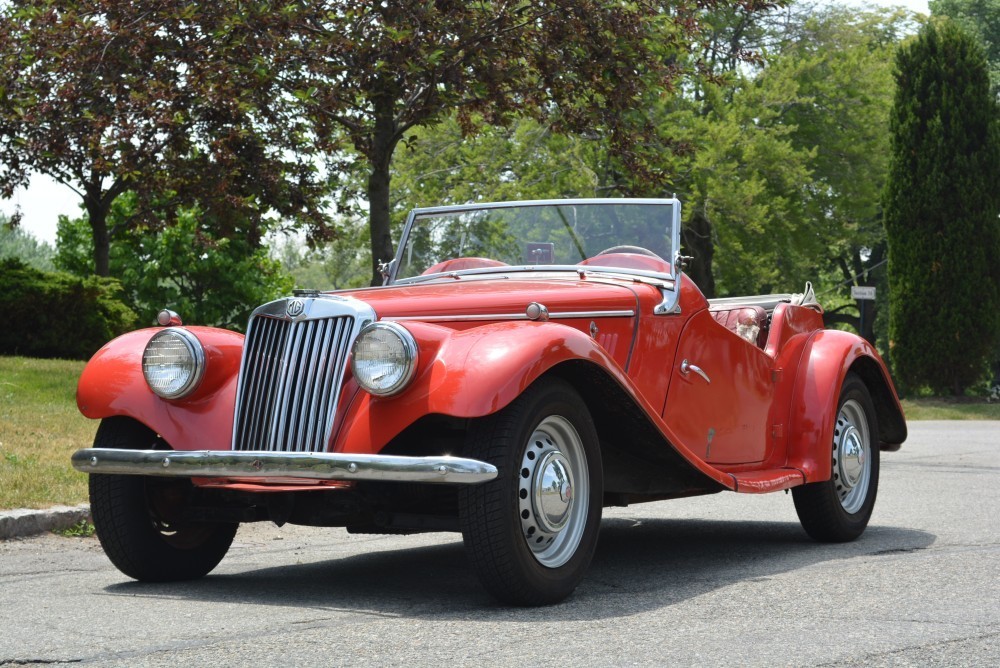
863, 293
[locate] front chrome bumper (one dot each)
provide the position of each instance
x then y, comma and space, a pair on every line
262, 465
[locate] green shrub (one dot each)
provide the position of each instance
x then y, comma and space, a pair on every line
54, 314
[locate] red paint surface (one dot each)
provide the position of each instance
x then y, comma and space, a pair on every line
112, 384
765, 419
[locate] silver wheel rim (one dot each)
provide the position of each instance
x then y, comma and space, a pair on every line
553, 491
852, 463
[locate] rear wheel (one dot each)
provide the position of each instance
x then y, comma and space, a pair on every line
838, 509
531, 533
139, 519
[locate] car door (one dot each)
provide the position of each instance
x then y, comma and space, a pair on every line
720, 394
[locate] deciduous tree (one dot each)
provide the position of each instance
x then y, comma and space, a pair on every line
373, 71
980, 18
152, 96
17, 243
208, 278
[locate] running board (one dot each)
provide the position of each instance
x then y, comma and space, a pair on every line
771, 480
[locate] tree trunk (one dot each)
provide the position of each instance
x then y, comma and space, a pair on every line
378, 222
866, 308
696, 237
97, 215
383, 144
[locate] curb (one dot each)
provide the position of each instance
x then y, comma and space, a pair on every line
25, 522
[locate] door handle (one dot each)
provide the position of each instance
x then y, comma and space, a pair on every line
687, 367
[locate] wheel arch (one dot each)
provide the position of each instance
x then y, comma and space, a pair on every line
891, 423
112, 384
465, 374
639, 461
829, 356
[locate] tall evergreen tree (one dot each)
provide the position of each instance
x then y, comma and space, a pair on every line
941, 207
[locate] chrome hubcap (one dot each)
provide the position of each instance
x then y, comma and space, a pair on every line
851, 463
553, 491
851, 456
553, 487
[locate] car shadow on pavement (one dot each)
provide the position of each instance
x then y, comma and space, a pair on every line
640, 565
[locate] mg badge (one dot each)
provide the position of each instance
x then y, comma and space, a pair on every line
295, 308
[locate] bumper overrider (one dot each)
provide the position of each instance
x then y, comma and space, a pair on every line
261, 465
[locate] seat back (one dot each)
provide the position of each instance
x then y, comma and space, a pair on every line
748, 322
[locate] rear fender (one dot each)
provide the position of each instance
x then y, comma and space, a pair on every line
827, 358
112, 384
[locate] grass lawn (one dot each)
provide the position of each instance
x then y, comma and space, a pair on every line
40, 428
950, 409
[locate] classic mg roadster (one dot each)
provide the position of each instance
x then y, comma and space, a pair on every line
524, 365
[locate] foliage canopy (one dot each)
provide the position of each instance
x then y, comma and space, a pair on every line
208, 279
385, 68
152, 96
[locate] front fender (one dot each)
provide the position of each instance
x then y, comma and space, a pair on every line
826, 360
466, 374
112, 384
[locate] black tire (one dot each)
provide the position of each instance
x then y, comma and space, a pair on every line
530, 547
133, 516
837, 510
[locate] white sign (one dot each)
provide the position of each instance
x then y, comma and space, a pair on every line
862, 292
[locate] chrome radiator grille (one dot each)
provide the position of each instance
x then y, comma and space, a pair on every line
290, 382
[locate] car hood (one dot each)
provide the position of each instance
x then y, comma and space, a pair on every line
461, 298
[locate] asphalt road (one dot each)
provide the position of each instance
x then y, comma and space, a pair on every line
726, 579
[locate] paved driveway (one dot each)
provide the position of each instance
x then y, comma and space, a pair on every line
726, 579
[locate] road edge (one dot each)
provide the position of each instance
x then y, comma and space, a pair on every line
27, 522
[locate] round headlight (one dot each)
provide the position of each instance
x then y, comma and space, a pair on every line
384, 358
173, 363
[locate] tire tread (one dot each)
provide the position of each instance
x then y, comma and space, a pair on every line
817, 504
125, 529
493, 544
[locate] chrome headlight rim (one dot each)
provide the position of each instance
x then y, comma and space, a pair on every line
410, 351
197, 354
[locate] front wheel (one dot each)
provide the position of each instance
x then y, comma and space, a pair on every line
531, 533
139, 519
837, 510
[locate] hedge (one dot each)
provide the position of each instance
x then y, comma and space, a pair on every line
55, 314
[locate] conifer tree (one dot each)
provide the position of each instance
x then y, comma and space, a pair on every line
941, 212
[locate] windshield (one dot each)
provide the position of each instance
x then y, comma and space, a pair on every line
529, 235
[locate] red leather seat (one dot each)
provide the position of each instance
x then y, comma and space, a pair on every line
741, 320
460, 263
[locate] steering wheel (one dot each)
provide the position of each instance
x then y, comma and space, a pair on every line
638, 250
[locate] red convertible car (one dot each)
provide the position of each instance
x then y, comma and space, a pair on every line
524, 365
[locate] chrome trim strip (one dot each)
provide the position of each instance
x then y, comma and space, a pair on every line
298, 365
766, 302
616, 201
671, 302
592, 314
506, 316
583, 272
262, 465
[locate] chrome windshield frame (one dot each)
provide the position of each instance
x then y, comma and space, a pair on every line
675, 237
